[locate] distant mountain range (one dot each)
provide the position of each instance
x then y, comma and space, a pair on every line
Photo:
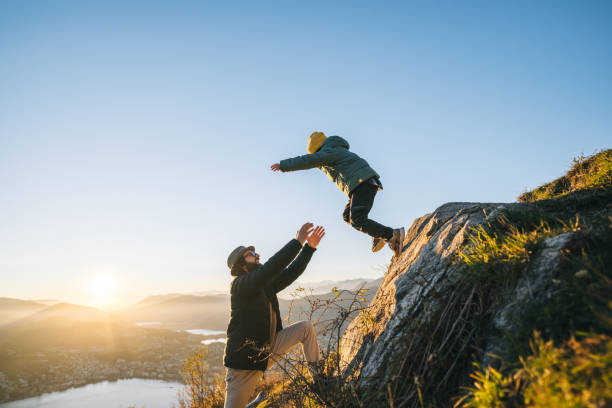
45, 344
181, 312
15, 309
310, 288
326, 286
173, 311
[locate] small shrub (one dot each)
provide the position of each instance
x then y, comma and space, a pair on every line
330, 315
491, 389
576, 374
202, 390
579, 374
512, 246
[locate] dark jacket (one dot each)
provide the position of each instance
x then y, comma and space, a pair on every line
248, 331
342, 166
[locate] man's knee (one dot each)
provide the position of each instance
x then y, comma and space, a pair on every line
307, 327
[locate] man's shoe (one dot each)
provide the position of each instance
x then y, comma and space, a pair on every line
261, 397
397, 242
377, 244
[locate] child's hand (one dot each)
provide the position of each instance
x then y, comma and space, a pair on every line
275, 167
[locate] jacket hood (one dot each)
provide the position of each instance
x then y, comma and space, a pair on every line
335, 141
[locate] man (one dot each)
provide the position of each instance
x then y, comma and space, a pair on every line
355, 177
255, 335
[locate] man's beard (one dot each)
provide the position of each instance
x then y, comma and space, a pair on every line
251, 266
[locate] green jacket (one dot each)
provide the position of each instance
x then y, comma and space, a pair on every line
334, 158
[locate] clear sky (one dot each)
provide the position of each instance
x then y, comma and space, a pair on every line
136, 137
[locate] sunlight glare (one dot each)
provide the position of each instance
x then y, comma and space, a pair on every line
102, 288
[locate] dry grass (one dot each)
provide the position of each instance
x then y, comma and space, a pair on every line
587, 173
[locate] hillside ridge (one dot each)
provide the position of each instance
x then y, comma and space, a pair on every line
472, 285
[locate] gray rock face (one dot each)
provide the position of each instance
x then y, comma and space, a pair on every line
536, 284
377, 340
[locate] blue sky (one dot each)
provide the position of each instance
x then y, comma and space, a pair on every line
136, 139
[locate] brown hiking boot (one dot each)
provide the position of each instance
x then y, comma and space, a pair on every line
397, 242
377, 244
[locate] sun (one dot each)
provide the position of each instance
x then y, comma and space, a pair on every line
101, 289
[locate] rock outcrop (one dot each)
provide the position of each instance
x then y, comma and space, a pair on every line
488, 304
426, 265
426, 324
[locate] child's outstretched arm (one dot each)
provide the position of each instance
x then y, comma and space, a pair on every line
307, 161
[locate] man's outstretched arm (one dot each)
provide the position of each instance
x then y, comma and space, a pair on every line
265, 274
297, 267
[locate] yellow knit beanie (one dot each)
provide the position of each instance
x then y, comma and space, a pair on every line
315, 141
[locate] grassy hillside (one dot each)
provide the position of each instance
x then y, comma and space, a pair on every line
587, 173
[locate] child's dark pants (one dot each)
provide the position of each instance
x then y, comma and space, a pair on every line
357, 210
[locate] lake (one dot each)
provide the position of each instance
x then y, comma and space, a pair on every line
206, 332
211, 341
134, 392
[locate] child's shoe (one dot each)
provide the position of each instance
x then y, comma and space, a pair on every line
397, 242
377, 244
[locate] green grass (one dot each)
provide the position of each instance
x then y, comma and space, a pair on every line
499, 252
491, 389
576, 374
587, 173
559, 371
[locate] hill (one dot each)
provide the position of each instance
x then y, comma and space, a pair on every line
476, 283
586, 175
152, 300
185, 312
181, 312
15, 309
62, 312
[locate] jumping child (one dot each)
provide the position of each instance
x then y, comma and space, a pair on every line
355, 177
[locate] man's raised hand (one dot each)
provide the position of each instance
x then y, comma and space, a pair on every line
315, 236
275, 167
303, 232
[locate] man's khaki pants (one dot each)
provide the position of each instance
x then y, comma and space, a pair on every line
241, 383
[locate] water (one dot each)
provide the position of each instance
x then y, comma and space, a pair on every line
134, 392
210, 341
205, 332
147, 323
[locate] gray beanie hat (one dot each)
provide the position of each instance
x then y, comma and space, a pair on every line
236, 254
